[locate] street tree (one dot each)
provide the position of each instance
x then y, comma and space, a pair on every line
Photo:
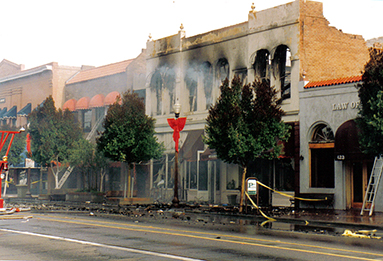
91, 163
129, 134
246, 124
370, 114
54, 133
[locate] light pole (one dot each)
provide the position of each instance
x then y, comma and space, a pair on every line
177, 125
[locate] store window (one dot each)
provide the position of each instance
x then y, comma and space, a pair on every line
322, 157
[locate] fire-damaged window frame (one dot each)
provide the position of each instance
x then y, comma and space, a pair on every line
222, 71
191, 81
207, 80
282, 70
163, 85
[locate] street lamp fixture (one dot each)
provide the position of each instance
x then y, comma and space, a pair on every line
177, 125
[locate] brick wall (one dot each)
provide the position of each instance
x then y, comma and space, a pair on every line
325, 51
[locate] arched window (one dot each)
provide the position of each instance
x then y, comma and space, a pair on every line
162, 85
262, 64
282, 70
191, 80
222, 70
207, 76
322, 157
156, 85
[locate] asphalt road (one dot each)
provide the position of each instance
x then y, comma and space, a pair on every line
75, 236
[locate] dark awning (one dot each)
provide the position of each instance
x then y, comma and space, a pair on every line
347, 142
11, 114
2, 112
25, 111
192, 144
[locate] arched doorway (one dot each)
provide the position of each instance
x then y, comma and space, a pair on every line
357, 164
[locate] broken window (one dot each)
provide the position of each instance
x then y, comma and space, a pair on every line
282, 69
222, 70
322, 157
207, 75
191, 80
262, 64
157, 85
163, 79
242, 74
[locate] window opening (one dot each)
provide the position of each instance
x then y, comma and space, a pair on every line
322, 157
191, 80
223, 70
283, 67
207, 74
262, 64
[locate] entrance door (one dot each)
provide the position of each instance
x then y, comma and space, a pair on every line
361, 171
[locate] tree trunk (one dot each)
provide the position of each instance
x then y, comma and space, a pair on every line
56, 175
242, 189
102, 175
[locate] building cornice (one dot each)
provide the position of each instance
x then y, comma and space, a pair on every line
26, 73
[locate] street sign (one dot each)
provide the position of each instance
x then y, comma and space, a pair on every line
251, 186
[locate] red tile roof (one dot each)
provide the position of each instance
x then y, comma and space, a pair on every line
334, 82
99, 72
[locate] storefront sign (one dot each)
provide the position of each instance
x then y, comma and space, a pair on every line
340, 157
345, 106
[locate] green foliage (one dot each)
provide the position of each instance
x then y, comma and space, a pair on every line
16, 152
53, 133
370, 115
129, 132
245, 123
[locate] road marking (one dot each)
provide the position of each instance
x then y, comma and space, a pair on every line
178, 233
215, 235
144, 252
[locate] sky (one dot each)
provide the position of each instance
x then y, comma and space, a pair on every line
95, 32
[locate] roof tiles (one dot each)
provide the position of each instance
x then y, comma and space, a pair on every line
99, 72
334, 82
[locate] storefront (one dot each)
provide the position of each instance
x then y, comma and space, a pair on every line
331, 159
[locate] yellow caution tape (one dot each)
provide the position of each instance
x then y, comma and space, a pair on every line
263, 214
289, 196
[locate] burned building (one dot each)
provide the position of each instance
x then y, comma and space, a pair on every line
287, 44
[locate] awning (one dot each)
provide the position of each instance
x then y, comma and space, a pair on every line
11, 114
347, 142
192, 144
24, 112
111, 98
70, 105
97, 101
2, 112
83, 103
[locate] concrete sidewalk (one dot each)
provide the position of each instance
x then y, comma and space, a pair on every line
346, 217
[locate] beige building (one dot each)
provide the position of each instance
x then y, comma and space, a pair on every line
23, 90
287, 44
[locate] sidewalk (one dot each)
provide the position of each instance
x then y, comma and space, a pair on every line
345, 217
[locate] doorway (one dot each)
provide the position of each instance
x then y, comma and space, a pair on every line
360, 174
